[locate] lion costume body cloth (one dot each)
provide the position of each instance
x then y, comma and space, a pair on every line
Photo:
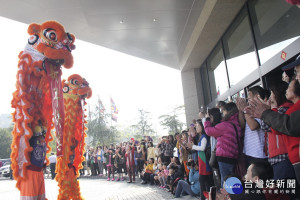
38, 100
75, 89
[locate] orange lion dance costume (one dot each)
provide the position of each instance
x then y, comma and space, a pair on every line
38, 104
76, 89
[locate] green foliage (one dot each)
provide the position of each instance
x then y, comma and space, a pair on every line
5, 142
171, 121
6, 120
143, 126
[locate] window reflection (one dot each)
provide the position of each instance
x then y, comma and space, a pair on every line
240, 94
239, 49
217, 72
274, 26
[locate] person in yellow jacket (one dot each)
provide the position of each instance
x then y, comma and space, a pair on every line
148, 171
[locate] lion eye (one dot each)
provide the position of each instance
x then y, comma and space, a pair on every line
74, 81
66, 89
50, 34
69, 37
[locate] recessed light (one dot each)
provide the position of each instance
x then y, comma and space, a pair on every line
121, 22
154, 20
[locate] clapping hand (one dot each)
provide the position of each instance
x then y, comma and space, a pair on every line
256, 107
241, 104
189, 145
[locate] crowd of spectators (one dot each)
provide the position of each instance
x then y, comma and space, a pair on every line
255, 139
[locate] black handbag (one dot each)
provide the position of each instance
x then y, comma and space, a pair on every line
213, 160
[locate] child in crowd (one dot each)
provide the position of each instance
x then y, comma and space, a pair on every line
158, 174
173, 178
110, 167
119, 163
148, 171
163, 176
157, 167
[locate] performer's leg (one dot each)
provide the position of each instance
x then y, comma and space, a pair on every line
34, 186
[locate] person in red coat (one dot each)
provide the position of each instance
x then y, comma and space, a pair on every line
293, 143
130, 164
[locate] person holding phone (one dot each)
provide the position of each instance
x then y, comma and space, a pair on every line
205, 170
183, 188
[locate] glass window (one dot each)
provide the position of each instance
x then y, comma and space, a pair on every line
205, 84
275, 26
239, 49
240, 94
217, 72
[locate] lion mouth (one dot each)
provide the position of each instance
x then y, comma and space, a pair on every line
69, 47
85, 92
56, 62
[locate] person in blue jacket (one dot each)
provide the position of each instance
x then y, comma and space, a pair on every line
183, 188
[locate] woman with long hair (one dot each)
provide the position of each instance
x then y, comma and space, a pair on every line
226, 133
205, 170
277, 151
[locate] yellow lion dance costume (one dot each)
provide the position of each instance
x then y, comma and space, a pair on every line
38, 104
76, 89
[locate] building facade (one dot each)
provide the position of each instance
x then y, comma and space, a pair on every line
262, 37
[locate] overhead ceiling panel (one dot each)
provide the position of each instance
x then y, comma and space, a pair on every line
163, 40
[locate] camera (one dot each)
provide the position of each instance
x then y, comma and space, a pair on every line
191, 163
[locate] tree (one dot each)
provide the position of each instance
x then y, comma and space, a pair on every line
5, 142
143, 126
171, 121
98, 131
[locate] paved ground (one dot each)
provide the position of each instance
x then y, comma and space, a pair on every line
95, 189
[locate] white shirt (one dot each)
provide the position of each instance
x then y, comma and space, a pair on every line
254, 142
52, 159
87, 155
202, 145
175, 152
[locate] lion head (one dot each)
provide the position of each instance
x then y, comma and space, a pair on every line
51, 40
78, 86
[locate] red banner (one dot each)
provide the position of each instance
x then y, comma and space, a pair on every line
54, 78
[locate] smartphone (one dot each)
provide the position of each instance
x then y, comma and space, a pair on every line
213, 192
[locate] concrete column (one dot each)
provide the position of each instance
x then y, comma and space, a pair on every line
193, 93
